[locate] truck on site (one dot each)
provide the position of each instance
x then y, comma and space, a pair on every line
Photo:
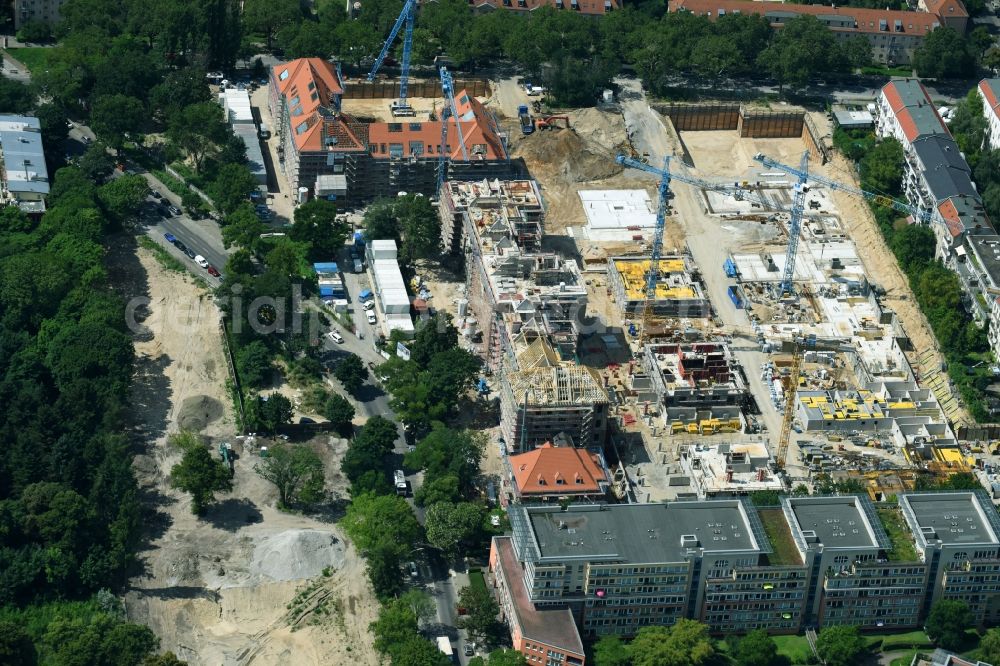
527, 123
533, 90
444, 645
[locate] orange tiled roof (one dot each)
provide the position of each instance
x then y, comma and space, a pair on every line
590, 7
946, 8
990, 89
865, 20
481, 138
552, 470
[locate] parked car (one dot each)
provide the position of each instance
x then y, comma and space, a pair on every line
213, 271
470, 649
170, 238
369, 305
165, 211
174, 210
201, 261
155, 194
371, 317
414, 571
336, 337
190, 253
180, 246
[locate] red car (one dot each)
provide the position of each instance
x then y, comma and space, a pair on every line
213, 271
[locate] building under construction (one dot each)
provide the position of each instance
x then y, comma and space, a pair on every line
679, 292
541, 397
514, 288
372, 159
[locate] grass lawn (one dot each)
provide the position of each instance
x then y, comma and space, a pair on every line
780, 537
905, 660
887, 71
476, 579
903, 549
796, 648
35, 58
903, 641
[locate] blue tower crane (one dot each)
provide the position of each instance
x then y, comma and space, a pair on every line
798, 205
448, 88
400, 107
879, 199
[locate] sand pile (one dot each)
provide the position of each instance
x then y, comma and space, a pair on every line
198, 411
296, 554
603, 128
583, 153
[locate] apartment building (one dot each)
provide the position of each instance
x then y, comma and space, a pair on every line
542, 397
25, 177
938, 182
989, 91
46, 11
894, 35
376, 158
551, 473
514, 287
819, 561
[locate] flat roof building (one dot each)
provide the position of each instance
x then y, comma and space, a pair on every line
679, 292
25, 175
391, 297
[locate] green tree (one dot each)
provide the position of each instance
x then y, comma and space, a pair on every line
242, 228
15, 97
481, 612
266, 17
989, 646
452, 527
802, 48
179, 89
447, 452
947, 622
95, 163
611, 651
882, 168
285, 257
840, 645
122, 197
340, 412
380, 221
114, 117
165, 659
352, 373
433, 336
198, 472
756, 648
387, 519
16, 647
253, 362
34, 31
420, 225
396, 622
943, 54
231, 187
296, 471
913, 246
507, 657
316, 223
858, 51
418, 651
686, 643
438, 489
199, 130
267, 413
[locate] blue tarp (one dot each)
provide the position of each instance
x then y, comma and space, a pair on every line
326, 267
359, 238
365, 295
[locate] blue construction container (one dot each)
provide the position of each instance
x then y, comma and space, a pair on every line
735, 296
730, 268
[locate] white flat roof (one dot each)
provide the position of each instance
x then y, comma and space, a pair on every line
618, 209
392, 289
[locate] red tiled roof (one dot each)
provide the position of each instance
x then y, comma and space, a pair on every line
307, 84
481, 139
553, 470
950, 216
946, 8
591, 7
892, 96
865, 20
990, 89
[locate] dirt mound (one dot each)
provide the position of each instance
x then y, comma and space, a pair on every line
571, 155
604, 129
198, 411
296, 554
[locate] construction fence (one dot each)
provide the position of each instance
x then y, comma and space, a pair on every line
747, 122
428, 89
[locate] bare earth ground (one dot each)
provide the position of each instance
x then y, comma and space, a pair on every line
215, 590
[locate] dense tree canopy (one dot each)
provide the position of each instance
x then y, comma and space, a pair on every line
947, 622
840, 645
199, 472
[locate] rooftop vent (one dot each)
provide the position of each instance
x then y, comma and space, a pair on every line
689, 541
810, 536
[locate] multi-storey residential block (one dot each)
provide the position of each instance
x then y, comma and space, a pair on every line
989, 91
894, 35
46, 11
376, 158
818, 561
